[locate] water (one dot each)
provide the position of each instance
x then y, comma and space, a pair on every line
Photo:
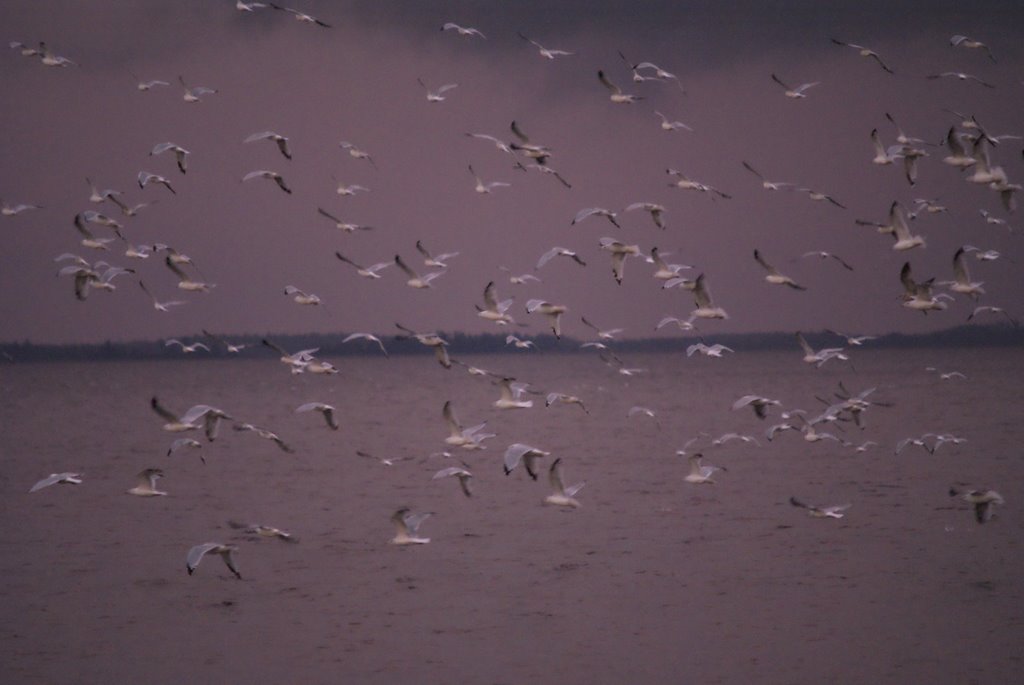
652, 580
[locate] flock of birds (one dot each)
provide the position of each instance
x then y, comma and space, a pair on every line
969, 149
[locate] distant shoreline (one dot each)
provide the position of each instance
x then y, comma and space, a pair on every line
330, 345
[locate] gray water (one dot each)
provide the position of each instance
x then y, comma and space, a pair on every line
651, 580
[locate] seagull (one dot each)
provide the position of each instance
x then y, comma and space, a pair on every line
946, 375
511, 392
595, 211
960, 76
372, 271
486, 188
619, 252
186, 442
552, 311
991, 309
667, 125
617, 96
799, 91
50, 59
765, 183
325, 409
355, 152
562, 398
462, 30
821, 356
716, 350
350, 190
518, 452
728, 437
961, 282
984, 500
368, 337
462, 473
637, 410
466, 438
559, 252
917, 442
607, 334
196, 554
964, 41
437, 95
656, 211
831, 512
148, 85
147, 483
342, 225
297, 362
992, 219
187, 349
821, 254
430, 340
263, 531
519, 342
884, 155
659, 73
500, 144
545, 52
538, 153
983, 255
702, 298
301, 16
681, 324
194, 94
265, 434
865, 52
415, 280
231, 348
774, 277
84, 278
180, 153
14, 210
699, 473
494, 310
662, 270
65, 478
406, 526
439, 261
818, 196
759, 404
301, 296
562, 496
919, 295
685, 183
279, 140
145, 178
272, 175
549, 171
520, 279
855, 340
958, 155
248, 6
211, 417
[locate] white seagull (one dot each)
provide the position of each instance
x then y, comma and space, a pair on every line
617, 96
196, 554
146, 486
701, 473
830, 512
65, 478
552, 311
407, 524
369, 337
774, 277
325, 409
280, 140
415, 280
271, 175
372, 271
562, 496
798, 92
301, 296
519, 452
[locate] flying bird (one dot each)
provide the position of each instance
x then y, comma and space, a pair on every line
774, 277
617, 96
272, 175
462, 30
561, 496
146, 486
226, 552
65, 478
325, 409
279, 140
799, 91
407, 524
865, 52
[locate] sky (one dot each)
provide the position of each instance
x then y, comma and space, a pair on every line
357, 81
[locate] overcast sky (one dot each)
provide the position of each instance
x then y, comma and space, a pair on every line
357, 81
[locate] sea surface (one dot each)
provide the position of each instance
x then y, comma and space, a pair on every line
651, 580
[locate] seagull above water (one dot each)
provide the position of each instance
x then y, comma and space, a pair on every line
919, 295
430, 340
965, 42
281, 141
226, 552
511, 395
682, 324
210, 416
959, 75
617, 96
194, 94
355, 152
65, 478
818, 358
855, 340
187, 349
263, 531
463, 474
685, 183
833, 512
145, 178
716, 350
415, 280
728, 437
439, 261
559, 252
462, 30
520, 279
799, 91
702, 298
265, 434
821, 254
865, 52
655, 210
774, 277
296, 362
494, 310
662, 270
984, 500
606, 334
343, 225
272, 175
701, 473
619, 252
231, 348
186, 442
301, 16
325, 409
372, 271
147, 483
961, 282
759, 404
520, 453
562, 398
407, 524
562, 496
667, 125
818, 196
519, 342
467, 438
538, 153
184, 282
14, 210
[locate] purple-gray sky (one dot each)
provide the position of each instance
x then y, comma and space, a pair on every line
357, 81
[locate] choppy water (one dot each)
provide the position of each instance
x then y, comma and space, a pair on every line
652, 580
